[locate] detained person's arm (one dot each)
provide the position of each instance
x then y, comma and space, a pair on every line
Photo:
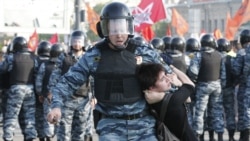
182, 76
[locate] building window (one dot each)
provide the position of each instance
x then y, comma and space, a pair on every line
203, 25
222, 25
215, 24
210, 26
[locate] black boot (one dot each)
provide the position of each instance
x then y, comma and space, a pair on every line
201, 137
211, 135
231, 135
48, 139
29, 140
41, 139
220, 136
198, 136
241, 135
88, 138
245, 135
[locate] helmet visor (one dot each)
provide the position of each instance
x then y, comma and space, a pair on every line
77, 40
118, 26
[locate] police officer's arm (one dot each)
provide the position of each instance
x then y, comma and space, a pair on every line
6, 65
39, 79
223, 74
193, 69
238, 62
149, 55
71, 81
246, 68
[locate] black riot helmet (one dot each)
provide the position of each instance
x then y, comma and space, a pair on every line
76, 36
118, 16
244, 37
56, 50
192, 45
140, 39
167, 43
208, 40
177, 43
223, 45
158, 44
44, 48
19, 44
9, 49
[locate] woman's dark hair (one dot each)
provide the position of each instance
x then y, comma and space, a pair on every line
147, 74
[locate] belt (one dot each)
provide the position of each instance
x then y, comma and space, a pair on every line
78, 95
127, 117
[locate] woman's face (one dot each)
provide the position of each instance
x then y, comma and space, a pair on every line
162, 84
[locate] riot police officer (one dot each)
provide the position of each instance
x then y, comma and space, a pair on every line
42, 80
240, 69
192, 47
167, 44
228, 91
43, 52
207, 70
112, 64
140, 39
178, 54
159, 45
21, 65
77, 118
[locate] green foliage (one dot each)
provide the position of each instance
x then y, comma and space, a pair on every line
92, 36
160, 29
98, 8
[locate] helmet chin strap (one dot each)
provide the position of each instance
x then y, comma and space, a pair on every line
76, 50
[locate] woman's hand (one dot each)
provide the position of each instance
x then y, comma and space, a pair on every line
174, 79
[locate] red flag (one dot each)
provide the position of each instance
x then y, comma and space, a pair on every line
148, 33
240, 17
147, 13
217, 34
54, 38
93, 18
230, 28
33, 41
179, 23
168, 31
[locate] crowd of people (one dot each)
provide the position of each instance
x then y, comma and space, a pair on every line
112, 87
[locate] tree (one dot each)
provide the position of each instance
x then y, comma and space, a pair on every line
160, 29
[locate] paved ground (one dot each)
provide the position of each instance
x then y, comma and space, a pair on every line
19, 137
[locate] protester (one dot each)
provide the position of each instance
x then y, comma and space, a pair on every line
156, 85
112, 63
